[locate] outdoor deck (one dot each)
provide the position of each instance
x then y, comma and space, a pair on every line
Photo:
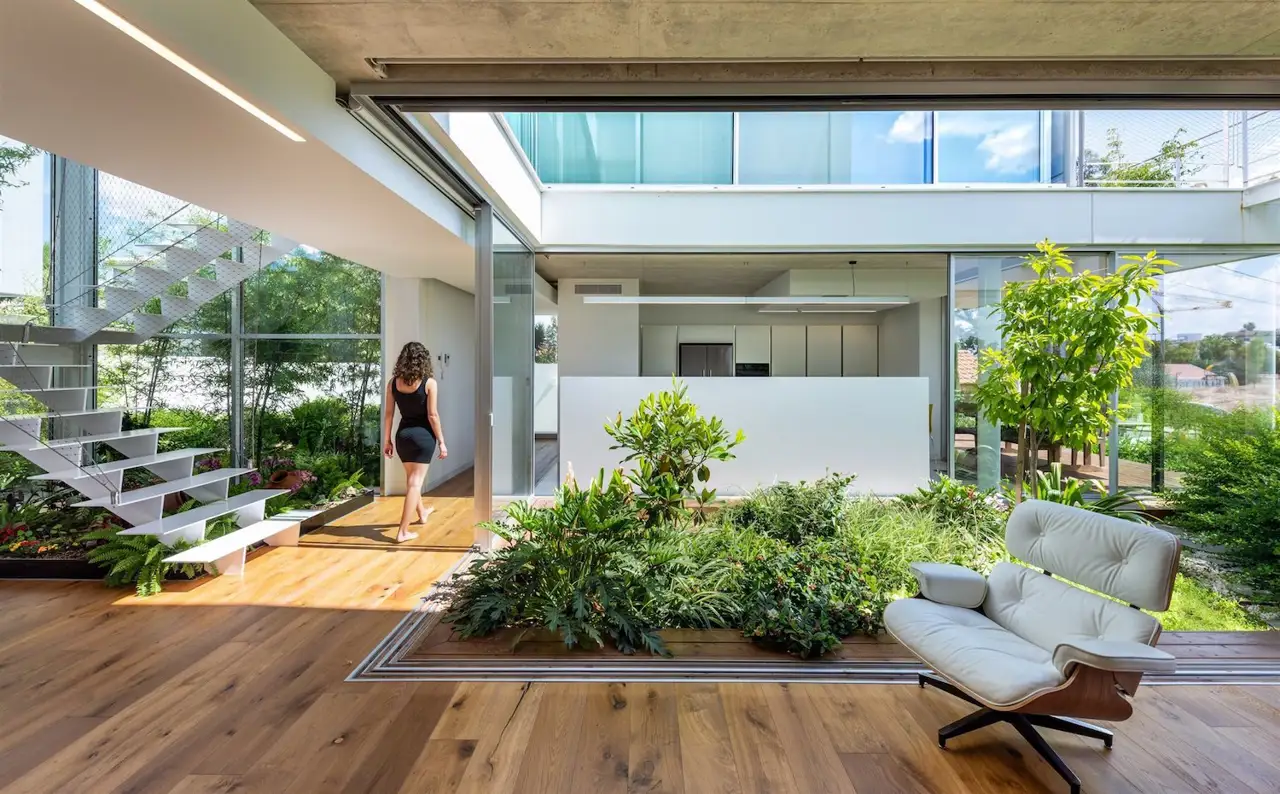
237, 685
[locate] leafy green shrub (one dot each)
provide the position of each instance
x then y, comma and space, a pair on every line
671, 446
953, 502
319, 424
137, 559
202, 428
1053, 486
887, 536
807, 599
578, 568
794, 512
1230, 495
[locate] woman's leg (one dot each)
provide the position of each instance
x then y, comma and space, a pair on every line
424, 512
414, 473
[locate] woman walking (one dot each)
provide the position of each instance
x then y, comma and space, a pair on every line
412, 389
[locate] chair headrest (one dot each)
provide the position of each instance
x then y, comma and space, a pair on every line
1124, 559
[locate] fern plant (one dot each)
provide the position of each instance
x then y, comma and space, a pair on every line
137, 559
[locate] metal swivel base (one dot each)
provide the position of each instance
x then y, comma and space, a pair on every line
1024, 724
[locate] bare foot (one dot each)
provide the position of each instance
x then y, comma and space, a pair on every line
405, 538
424, 514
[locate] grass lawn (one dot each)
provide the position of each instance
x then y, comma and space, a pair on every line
1197, 608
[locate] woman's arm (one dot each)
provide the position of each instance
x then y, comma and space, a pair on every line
389, 413
433, 416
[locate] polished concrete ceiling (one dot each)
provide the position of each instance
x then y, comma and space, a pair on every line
720, 274
341, 35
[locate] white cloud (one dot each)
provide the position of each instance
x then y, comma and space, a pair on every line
1012, 150
908, 127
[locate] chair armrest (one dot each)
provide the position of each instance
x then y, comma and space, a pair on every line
950, 584
1117, 656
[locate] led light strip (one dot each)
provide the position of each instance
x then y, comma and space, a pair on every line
123, 25
732, 300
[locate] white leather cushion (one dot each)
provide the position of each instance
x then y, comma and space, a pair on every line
950, 584
1123, 559
1045, 611
996, 666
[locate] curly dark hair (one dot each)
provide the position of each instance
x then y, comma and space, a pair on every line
413, 364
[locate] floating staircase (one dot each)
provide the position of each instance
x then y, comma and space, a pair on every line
61, 439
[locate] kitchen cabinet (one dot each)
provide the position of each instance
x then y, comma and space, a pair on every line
861, 351
659, 351
789, 351
752, 345
823, 347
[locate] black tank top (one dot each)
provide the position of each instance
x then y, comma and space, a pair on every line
413, 406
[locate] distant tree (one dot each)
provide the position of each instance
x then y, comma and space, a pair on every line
1176, 160
13, 158
546, 337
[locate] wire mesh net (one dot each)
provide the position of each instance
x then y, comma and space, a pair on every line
1159, 148
1263, 155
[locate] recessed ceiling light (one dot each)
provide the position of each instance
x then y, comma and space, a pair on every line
123, 25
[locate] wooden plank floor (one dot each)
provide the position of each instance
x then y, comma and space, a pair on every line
449, 527
237, 685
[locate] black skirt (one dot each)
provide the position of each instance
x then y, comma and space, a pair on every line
415, 444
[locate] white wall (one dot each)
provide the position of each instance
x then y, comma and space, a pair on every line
546, 399
900, 341
489, 152
796, 428
442, 318
911, 344
656, 314
598, 339
931, 217
451, 331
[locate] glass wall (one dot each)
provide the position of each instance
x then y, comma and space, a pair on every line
24, 231
989, 146
1213, 357
794, 148
513, 306
627, 148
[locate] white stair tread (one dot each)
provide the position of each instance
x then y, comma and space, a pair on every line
127, 463
60, 388
177, 521
71, 441
241, 538
65, 414
166, 488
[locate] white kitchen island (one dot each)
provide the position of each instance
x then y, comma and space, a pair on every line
796, 428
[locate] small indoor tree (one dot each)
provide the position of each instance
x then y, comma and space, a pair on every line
671, 445
1068, 342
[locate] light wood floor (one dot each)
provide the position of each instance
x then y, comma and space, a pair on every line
450, 527
236, 685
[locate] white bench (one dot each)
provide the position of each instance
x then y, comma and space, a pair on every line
226, 555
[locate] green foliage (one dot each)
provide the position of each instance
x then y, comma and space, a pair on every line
794, 512
137, 559
954, 503
1230, 494
319, 424
13, 157
1198, 608
806, 599
546, 341
578, 568
1176, 160
671, 446
1068, 342
887, 536
1053, 486
202, 429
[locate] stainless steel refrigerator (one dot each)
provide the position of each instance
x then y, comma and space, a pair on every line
706, 361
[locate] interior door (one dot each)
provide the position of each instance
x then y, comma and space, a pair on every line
693, 361
720, 361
